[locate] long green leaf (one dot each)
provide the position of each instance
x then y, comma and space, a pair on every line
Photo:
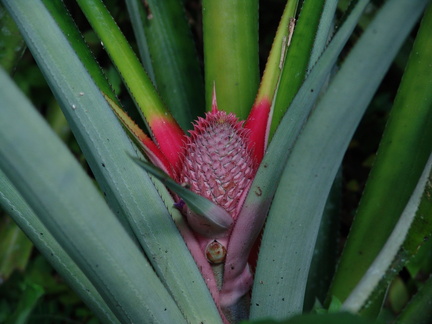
324, 31
231, 54
137, 15
297, 59
298, 204
67, 203
12, 202
135, 78
379, 266
174, 59
277, 55
107, 149
403, 152
65, 22
324, 260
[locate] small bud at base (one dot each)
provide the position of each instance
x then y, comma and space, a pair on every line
215, 252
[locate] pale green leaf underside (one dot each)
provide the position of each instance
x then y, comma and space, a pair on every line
323, 32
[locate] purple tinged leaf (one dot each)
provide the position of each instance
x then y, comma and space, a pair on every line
205, 217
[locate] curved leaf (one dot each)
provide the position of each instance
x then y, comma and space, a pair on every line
161, 124
377, 270
299, 201
217, 219
259, 117
403, 152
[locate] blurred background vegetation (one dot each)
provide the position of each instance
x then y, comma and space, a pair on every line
32, 292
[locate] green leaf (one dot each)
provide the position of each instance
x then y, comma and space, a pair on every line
324, 259
325, 28
65, 22
297, 59
12, 202
137, 16
377, 270
134, 77
79, 220
277, 54
231, 54
422, 260
298, 204
404, 149
174, 60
